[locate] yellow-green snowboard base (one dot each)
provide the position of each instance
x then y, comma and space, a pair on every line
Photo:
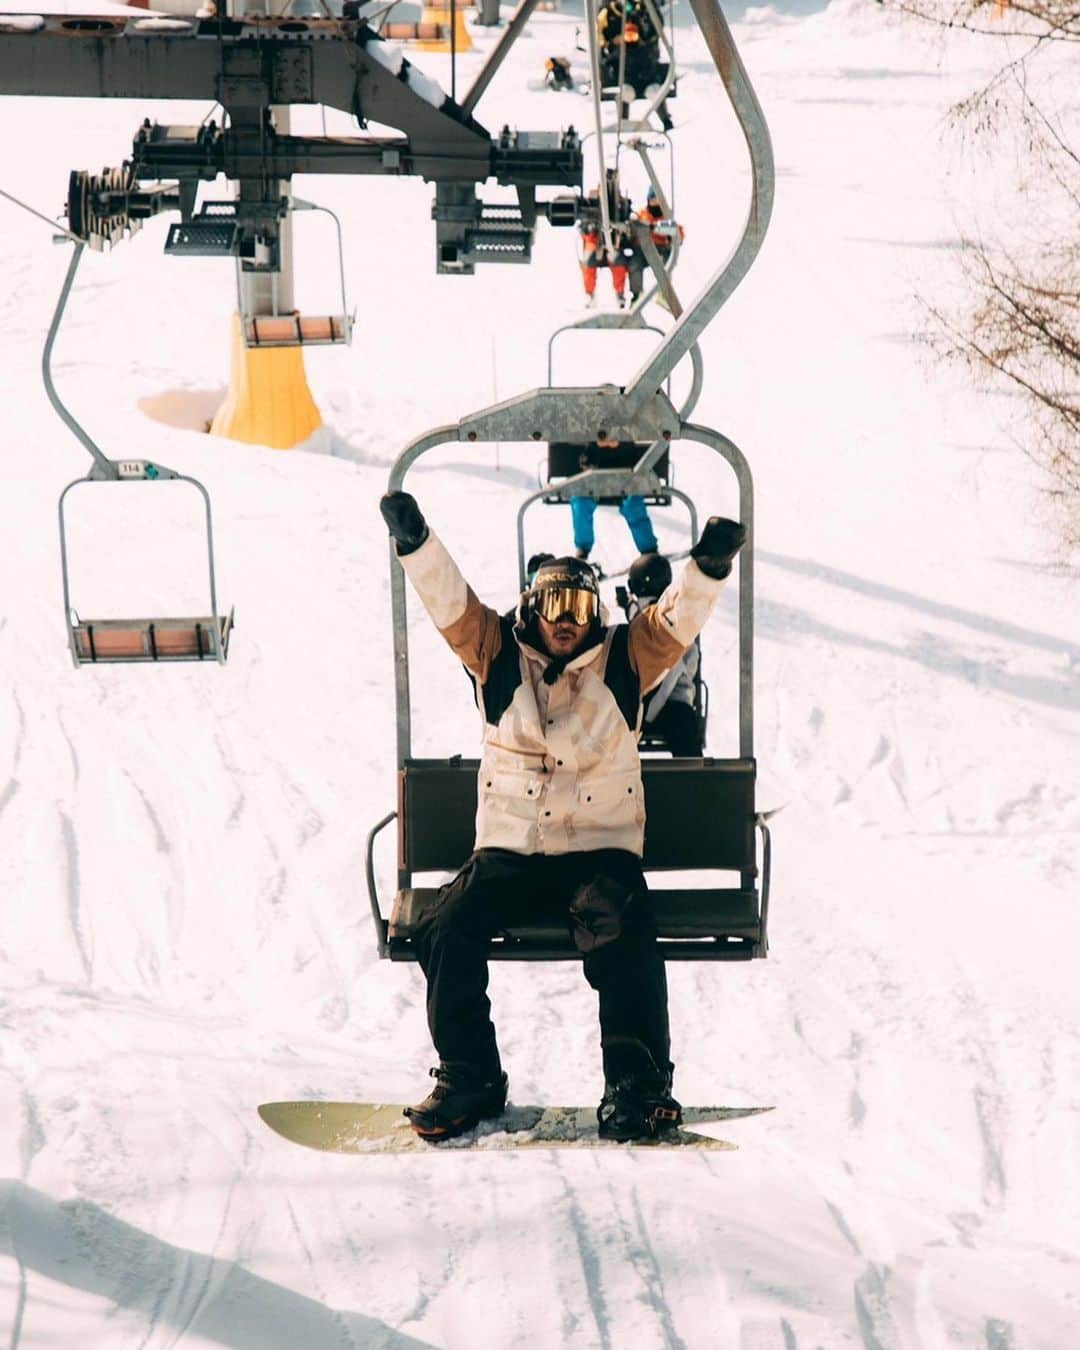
368, 1127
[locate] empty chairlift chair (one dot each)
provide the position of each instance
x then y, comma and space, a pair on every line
293, 329
95, 641
212, 232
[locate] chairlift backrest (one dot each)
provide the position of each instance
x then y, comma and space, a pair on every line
565, 459
699, 814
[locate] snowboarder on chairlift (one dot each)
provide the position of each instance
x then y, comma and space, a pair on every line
560, 823
670, 708
632, 508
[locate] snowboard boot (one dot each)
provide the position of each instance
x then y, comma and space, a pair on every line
638, 1107
459, 1100
637, 1101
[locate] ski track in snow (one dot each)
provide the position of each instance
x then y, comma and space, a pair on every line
182, 850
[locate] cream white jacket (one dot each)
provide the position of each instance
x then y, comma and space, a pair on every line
560, 771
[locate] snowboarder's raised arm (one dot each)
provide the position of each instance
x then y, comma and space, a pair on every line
662, 632
470, 628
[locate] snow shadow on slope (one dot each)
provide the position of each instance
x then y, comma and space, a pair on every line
931, 650
77, 1243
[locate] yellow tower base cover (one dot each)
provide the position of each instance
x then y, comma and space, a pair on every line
440, 14
268, 402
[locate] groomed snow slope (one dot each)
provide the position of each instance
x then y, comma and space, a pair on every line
185, 928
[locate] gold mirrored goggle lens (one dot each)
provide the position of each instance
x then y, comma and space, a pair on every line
556, 602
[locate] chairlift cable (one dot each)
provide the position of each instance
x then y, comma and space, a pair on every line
594, 61
101, 460
453, 50
671, 29
619, 96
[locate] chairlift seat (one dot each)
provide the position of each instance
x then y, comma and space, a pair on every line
700, 817
687, 922
296, 330
423, 31
564, 461
102, 641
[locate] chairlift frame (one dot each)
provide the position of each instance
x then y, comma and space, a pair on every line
611, 485
434, 827
203, 638
660, 272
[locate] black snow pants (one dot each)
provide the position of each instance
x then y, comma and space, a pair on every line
599, 896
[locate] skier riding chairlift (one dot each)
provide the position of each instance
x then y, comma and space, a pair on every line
629, 39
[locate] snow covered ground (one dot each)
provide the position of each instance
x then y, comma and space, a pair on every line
186, 932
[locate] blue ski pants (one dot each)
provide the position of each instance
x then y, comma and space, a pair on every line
632, 509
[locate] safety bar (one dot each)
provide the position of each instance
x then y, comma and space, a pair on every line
601, 483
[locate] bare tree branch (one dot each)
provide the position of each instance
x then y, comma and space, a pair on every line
1020, 327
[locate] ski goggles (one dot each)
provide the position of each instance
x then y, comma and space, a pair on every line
566, 602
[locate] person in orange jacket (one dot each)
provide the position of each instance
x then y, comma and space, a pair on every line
593, 253
652, 214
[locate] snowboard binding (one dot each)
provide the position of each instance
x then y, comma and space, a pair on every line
458, 1102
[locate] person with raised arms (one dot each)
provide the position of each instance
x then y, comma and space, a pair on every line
560, 823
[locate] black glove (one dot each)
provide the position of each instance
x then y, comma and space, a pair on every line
404, 521
720, 540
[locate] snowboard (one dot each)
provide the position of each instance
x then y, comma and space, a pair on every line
370, 1127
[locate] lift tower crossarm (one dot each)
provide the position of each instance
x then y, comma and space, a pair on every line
248, 63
